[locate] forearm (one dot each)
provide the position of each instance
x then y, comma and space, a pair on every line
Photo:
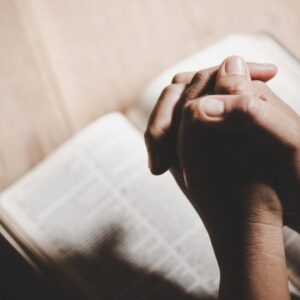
249, 247
256, 269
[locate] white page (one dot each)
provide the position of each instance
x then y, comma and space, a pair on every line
96, 211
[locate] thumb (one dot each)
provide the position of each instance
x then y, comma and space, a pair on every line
233, 77
268, 124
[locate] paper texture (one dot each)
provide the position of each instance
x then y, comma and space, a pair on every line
95, 213
119, 232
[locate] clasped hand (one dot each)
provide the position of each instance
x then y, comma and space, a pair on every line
233, 147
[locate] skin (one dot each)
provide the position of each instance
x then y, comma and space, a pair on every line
234, 149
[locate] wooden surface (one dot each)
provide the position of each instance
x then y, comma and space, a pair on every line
64, 63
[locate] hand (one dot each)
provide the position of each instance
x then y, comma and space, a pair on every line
161, 131
171, 127
281, 143
220, 165
269, 126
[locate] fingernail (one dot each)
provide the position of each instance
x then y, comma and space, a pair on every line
212, 107
235, 66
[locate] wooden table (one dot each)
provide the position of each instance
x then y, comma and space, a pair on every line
64, 63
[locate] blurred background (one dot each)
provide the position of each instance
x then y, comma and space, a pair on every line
63, 63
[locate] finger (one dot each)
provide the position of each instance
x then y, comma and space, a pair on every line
258, 71
161, 132
233, 77
202, 82
268, 124
159, 137
184, 77
157, 134
262, 71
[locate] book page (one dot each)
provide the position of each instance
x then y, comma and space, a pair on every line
95, 212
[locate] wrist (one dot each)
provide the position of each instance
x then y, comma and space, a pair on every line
252, 262
256, 232
249, 247
255, 257
254, 223
257, 241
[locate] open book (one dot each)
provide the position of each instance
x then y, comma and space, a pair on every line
94, 221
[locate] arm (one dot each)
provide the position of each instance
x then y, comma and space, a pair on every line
246, 232
252, 260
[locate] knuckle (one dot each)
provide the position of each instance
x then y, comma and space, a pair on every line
261, 89
190, 111
153, 134
177, 78
237, 87
173, 88
252, 107
248, 104
197, 85
201, 76
169, 88
188, 108
233, 86
259, 84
